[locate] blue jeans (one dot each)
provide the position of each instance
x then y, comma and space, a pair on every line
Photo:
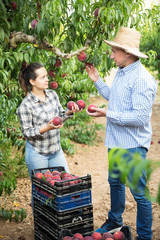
144, 206
34, 160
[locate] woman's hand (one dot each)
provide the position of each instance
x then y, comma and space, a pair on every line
75, 109
99, 112
52, 126
49, 127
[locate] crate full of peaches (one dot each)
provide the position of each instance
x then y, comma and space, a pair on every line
56, 181
123, 234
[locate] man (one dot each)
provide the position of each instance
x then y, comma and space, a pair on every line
130, 97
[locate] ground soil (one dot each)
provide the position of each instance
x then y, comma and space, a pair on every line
90, 160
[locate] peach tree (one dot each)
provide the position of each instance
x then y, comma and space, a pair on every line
64, 35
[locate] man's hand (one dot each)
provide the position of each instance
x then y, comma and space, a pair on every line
99, 112
92, 73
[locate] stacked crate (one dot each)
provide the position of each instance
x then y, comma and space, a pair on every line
65, 205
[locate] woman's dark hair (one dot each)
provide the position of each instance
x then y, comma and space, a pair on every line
28, 73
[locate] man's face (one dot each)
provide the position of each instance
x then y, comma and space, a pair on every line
120, 57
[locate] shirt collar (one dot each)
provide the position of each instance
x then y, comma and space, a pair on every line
129, 68
35, 99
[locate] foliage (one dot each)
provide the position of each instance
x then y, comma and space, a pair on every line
7, 186
81, 130
121, 165
150, 37
64, 25
18, 215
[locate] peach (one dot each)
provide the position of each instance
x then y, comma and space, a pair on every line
33, 23
88, 64
52, 182
96, 12
48, 174
67, 238
55, 172
88, 238
14, 5
107, 235
51, 73
53, 85
39, 175
64, 174
96, 236
57, 121
56, 177
78, 236
90, 110
70, 104
82, 56
81, 104
58, 62
48, 179
119, 235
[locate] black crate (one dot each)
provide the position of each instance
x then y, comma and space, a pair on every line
64, 219
40, 234
52, 230
64, 202
125, 229
59, 188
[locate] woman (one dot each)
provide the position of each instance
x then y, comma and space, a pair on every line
36, 112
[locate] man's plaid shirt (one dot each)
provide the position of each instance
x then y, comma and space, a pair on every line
33, 113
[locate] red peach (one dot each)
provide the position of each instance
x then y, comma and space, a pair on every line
88, 238
96, 12
67, 238
70, 104
39, 175
52, 182
53, 85
64, 174
90, 108
48, 179
78, 236
96, 236
81, 104
51, 73
33, 23
119, 235
107, 235
56, 177
57, 121
55, 172
58, 62
82, 56
88, 64
48, 174
14, 5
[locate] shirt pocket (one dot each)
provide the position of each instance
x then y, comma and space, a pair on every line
126, 99
40, 118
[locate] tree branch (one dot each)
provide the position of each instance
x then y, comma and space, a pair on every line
17, 37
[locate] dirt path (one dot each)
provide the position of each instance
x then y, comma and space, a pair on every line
91, 160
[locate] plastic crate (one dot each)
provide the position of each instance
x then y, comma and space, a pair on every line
66, 202
40, 234
125, 229
51, 230
64, 219
59, 188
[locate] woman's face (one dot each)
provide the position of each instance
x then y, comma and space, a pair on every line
41, 81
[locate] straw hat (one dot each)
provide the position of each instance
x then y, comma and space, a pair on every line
127, 39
